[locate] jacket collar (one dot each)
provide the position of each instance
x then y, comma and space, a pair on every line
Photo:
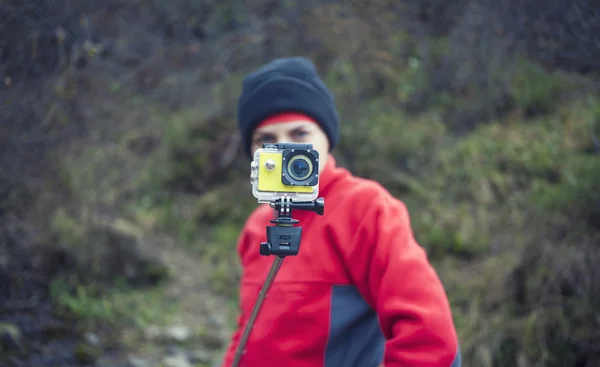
331, 173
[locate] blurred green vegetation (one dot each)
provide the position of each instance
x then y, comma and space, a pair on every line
479, 203
122, 305
506, 203
483, 204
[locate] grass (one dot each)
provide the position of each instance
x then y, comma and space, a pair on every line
121, 305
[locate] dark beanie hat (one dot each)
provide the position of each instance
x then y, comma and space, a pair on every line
286, 85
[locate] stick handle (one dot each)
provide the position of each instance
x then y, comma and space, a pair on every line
257, 307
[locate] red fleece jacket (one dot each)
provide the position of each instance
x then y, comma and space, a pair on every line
361, 291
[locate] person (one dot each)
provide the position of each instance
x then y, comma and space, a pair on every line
361, 291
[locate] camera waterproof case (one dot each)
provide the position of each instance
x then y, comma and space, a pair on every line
285, 170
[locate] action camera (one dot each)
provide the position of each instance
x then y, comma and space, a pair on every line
285, 170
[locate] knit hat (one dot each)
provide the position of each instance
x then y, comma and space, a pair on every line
286, 85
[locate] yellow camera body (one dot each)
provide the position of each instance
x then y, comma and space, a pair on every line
285, 170
271, 180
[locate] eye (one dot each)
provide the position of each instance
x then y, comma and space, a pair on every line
299, 134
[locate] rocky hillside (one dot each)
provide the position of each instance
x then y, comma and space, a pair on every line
122, 182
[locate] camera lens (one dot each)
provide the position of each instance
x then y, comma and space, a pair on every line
300, 168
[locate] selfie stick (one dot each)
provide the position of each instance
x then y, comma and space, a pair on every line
283, 240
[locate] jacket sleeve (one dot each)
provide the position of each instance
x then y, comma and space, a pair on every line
229, 354
392, 272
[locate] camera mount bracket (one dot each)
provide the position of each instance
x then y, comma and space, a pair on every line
283, 239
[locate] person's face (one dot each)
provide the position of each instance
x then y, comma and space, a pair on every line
293, 132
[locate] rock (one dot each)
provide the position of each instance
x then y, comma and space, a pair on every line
178, 334
87, 354
152, 332
54, 329
133, 361
211, 340
116, 250
173, 350
91, 338
176, 361
198, 356
11, 339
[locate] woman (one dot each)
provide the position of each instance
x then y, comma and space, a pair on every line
361, 291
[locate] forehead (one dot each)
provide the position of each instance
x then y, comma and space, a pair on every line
279, 127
